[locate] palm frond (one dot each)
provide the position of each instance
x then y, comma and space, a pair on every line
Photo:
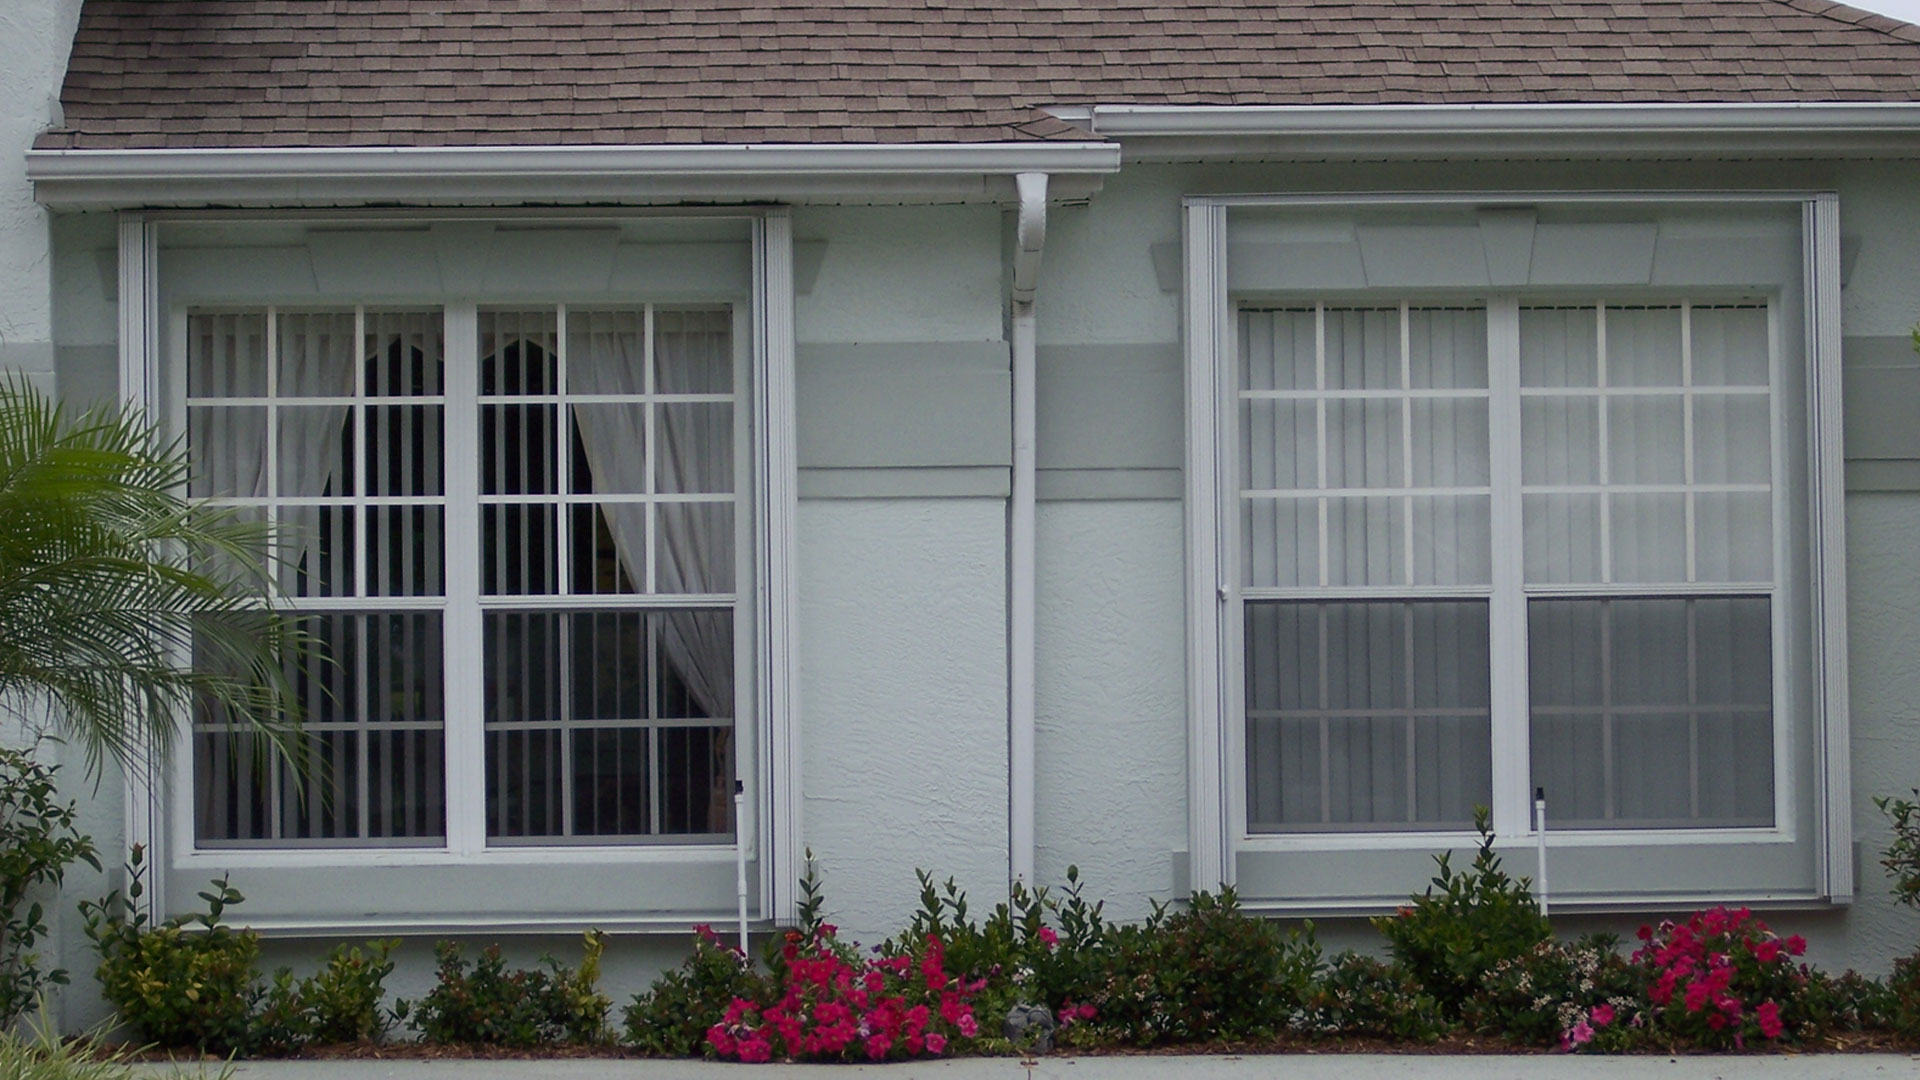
125, 606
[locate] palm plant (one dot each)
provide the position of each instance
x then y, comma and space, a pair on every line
110, 579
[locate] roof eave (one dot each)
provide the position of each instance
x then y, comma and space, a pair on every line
1509, 131
103, 179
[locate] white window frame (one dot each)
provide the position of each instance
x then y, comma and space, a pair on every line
158, 815
1218, 829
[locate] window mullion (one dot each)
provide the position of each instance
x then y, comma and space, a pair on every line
1507, 645
465, 645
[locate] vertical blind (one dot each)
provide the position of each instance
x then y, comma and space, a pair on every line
1364, 453
608, 485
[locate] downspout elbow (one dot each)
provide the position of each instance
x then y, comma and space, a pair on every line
1030, 235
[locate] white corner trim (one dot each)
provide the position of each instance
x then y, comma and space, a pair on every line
1208, 361
1833, 750
777, 644
97, 179
1818, 129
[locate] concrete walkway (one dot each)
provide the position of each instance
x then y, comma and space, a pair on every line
1290, 1067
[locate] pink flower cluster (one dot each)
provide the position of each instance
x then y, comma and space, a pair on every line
831, 1008
1719, 976
1071, 1014
1583, 1029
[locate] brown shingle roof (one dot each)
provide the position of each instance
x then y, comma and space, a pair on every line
246, 73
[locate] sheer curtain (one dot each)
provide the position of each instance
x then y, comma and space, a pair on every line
692, 455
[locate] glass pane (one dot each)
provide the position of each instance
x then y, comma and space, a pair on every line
369, 761
1280, 542
611, 449
694, 451
1646, 440
1449, 443
518, 546
1564, 541
696, 780
1447, 348
1452, 540
694, 552
1367, 714
404, 445
1559, 347
317, 550
606, 352
1643, 346
693, 352
1733, 536
226, 355
1653, 713
1731, 346
1277, 350
316, 354
404, 551
1366, 541
227, 450
1279, 445
1732, 441
1559, 440
405, 355
517, 352
1365, 444
1648, 537
1363, 348
518, 451
315, 452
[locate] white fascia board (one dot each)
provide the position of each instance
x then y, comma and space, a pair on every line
1655, 129
329, 176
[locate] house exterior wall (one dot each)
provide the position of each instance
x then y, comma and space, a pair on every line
903, 403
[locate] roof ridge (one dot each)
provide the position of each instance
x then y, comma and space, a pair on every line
1860, 17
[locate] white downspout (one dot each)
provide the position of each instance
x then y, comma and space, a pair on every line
1030, 236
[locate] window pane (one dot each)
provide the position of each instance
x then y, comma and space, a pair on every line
1447, 348
1278, 350
693, 352
226, 355
1363, 348
316, 353
1653, 713
1559, 347
369, 762
1731, 346
609, 724
1366, 714
1643, 346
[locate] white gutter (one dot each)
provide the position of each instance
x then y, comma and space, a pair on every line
1030, 236
98, 179
1764, 129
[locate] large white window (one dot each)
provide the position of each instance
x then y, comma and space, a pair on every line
1492, 501
533, 486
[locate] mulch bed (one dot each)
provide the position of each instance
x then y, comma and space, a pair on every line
1846, 1043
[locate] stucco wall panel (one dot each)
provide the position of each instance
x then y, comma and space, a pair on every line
902, 274
903, 701
1110, 700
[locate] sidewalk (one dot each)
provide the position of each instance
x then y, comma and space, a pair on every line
1289, 1066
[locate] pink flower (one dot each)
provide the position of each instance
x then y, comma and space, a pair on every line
936, 1043
967, 1025
1770, 1024
1602, 1015
755, 1050
1796, 945
1767, 951
1579, 1033
1086, 1011
1698, 994
877, 1046
1049, 938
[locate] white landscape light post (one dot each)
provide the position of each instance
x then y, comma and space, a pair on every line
740, 859
1540, 838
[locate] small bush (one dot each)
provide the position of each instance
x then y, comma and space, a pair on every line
1850, 1002
524, 1007
673, 1017
1360, 996
1560, 994
1478, 918
188, 982
1723, 979
339, 1004
38, 841
1903, 989
41, 1054
1902, 856
1207, 973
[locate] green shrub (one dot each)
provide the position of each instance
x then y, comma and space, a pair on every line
1478, 918
672, 1018
1902, 856
1359, 996
1903, 987
519, 1008
38, 842
339, 1004
1203, 974
1538, 997
41, 1054
1850, 1002
188, 982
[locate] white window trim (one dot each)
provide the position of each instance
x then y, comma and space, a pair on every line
774, 832
1216, 790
